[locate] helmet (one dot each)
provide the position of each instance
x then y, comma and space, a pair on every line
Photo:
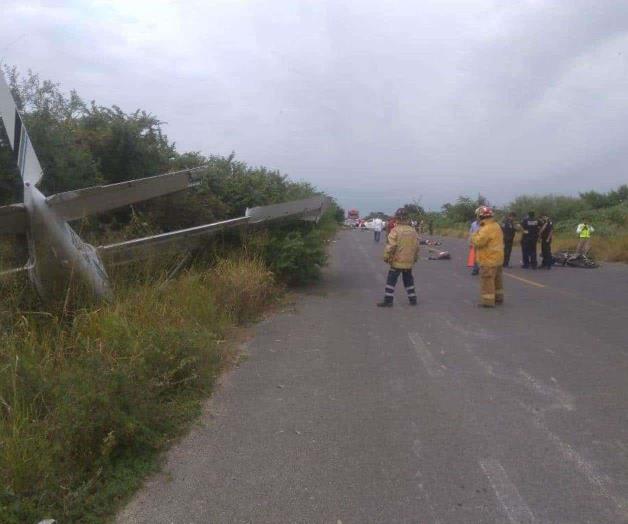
483, 212
401, 214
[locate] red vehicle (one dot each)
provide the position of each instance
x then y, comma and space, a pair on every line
353, 218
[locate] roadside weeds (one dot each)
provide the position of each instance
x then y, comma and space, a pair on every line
88, 402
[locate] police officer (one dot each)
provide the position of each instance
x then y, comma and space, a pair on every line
546, 232
508, 229
529, 237
401, 252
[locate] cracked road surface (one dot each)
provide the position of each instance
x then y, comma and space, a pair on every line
444, 413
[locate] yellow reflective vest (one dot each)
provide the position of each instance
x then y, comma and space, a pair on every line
584, 230
402, 247
489, 243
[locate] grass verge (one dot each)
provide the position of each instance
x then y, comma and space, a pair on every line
86, 402
607, 249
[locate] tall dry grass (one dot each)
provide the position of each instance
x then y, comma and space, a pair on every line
452, 232
242, 287
608, 249
87, 400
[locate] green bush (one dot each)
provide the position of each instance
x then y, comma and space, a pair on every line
296, 257
556, 206
85, 403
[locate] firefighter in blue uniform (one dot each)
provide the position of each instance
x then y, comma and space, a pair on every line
529, 237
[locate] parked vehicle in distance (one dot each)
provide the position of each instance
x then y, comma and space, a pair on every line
368, 224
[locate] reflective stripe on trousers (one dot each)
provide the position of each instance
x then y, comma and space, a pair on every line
391, 282
491, 285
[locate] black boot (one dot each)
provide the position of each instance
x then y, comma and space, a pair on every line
412, 301
387, 302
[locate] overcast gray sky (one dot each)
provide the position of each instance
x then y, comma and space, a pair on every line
376, 102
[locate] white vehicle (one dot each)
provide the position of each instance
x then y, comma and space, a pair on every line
369, 224
57, 255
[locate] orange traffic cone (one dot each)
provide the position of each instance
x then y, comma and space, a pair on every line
471, 257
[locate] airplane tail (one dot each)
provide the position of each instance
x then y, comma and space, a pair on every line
19, 141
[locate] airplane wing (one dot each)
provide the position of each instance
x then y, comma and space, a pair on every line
125, 252
13, 219
80, 203
20, 143
307, 209
130, 250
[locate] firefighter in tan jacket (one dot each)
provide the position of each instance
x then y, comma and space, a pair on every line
401, 252
489, 245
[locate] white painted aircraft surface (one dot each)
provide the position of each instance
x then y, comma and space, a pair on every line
56, 252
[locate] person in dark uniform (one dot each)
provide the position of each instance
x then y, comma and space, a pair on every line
546, 232
529, 237
508, 229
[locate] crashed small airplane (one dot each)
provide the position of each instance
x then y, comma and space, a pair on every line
56, 253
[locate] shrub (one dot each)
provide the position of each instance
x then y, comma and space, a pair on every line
86, 402
242, 287
296, 256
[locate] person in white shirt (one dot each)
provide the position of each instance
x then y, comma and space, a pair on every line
378, 225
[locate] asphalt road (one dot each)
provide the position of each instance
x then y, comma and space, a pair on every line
444, 413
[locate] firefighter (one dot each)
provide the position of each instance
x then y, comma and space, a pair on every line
401, 252
509, 229
489, 248
529, 238
546, 232
390, 225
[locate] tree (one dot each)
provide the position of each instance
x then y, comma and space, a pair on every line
462, 211
80, 145
52, 119
338, 212
126, 146
10, 187
376, 214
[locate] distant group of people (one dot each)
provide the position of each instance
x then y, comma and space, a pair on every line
534, 231
378, 226
492, 243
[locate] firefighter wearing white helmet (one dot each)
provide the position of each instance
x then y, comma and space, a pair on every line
489, 246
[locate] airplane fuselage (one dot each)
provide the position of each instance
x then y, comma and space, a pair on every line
58, 256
